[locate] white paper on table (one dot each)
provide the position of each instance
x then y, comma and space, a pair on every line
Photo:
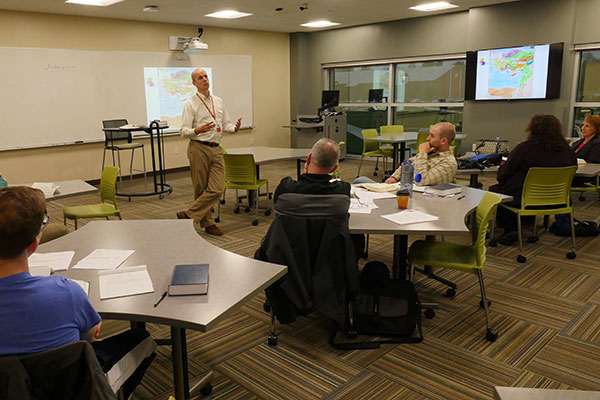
379, 187
368, 197
40, 271
124, 282
410, 216
58, 260
357, 207
85, 285
48, 188
104, 259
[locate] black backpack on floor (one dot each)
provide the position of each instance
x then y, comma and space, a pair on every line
385, 307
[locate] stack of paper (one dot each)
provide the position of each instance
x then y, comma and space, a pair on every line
104, 259
48, 188
410, 216
124, 282
379, 187
57, 261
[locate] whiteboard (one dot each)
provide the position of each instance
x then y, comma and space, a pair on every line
59, 96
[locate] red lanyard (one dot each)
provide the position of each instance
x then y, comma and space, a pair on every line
213, 114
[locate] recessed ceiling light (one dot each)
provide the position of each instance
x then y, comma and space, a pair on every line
320, 24
228, 14
151, 9
101, 3
440, 5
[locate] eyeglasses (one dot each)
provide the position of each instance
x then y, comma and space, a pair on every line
45, 221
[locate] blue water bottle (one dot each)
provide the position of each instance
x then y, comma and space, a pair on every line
3, 182
407, 172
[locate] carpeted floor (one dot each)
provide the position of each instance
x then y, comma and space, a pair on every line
546, 311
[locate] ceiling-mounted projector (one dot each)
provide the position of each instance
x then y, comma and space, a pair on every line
194, 45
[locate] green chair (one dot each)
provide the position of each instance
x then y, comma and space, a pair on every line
392, 130
593, 186
466, 258
240, 173
108, 190
545, 192
372, 149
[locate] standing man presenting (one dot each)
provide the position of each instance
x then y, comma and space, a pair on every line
203, 122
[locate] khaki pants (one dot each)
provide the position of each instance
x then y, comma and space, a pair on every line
207, 170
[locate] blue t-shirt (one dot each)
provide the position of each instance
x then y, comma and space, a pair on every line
42, 312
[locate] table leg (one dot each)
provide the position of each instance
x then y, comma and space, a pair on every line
298, 164
402, 151
395, 157
180, 368
400, 253
473, 181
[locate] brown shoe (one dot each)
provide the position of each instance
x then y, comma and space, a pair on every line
182, 215
213, 230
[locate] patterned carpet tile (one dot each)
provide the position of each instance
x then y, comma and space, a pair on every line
595, 299
586, 325
438, 370
531, 306
518, 341
585, 263
368, 386
529, 379
569, 361
554, 281
290, 370
234, 335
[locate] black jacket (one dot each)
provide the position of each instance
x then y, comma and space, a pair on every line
310, 235
590, 152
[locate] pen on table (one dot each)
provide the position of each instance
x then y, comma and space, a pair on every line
161, 299
461, 197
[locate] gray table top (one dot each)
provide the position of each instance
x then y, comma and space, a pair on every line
265, 154
451, 212
403, 137
68, 188
160, 245
588, 170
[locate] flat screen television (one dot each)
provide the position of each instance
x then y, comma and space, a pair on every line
375, 95
329, 99
514, 73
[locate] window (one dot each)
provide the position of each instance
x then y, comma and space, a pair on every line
354, 83
586, 99
430, 82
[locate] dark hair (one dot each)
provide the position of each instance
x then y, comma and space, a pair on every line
22, 211
545, 130
595, 121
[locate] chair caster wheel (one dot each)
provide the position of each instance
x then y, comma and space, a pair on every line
481, 303
255, 222
222, 201
493, 243
521, 258
218, 219
272, 341
571, 255
247, 209
207, 389
374, 173
351, 334
491, 335
160, 196
267, 306
451, 292
212, 210
268, 212
129, 199
236, 210
365, 255
429, 313
533, 239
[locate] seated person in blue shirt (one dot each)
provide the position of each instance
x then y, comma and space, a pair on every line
40, 313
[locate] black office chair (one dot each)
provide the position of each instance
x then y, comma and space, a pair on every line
109, 144
310, 235
67, 372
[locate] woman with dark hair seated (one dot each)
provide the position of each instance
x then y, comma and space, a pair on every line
545, 147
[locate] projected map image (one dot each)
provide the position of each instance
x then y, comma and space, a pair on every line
511, 72
167, 90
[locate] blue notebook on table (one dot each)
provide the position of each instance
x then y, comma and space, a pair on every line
189, 279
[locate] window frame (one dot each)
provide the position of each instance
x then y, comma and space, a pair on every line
579, 48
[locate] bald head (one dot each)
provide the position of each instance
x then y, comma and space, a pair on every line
200, 80
323, 157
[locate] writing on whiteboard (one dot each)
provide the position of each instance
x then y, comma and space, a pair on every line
60, 68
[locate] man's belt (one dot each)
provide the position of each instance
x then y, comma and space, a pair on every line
209, 144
